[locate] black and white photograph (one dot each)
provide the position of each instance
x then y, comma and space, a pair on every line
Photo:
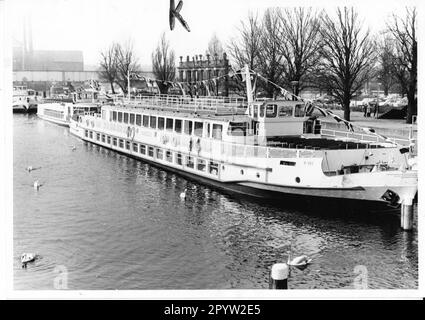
203, 149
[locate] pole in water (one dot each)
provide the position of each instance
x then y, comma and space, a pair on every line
407, 214
279, 276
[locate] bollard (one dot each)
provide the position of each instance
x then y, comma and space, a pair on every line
407, 214
279, 276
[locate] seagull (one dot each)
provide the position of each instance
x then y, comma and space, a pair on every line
37, 185
175, 13
183, 194
31, 168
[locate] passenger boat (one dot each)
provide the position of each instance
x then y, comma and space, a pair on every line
268, 148
24, 100
60, 109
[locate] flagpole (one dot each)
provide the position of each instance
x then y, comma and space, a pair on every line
128, 84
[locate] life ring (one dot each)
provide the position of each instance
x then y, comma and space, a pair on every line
190, 144
198, 145
175, 141
132, 133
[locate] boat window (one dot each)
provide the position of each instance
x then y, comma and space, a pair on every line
299, 110
114, 115
125, 117
271, 111
188, 127
213, 168
201, 165
108, 139
198, 128
103, 138
119, 116
97, 136
138, 119
135, 147
150, 151
127, 145
237, 129
121, 143
114, 141
161, 123
169, 124
169, 156
285, 111
86, 133
145, 121
131, 118
91, 134
142, 149
189, 162
159, 154
262, 111
255, 111
179, 159
153, 122
217, 131
178, 126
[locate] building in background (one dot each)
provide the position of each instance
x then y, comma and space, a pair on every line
40, 69
199, 69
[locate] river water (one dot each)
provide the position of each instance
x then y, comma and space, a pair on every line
106, 221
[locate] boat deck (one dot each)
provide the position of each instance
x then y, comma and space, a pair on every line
316, 143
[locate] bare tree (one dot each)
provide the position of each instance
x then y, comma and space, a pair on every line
215, 47
126, 63
348, 55
299, 41
109, 65
163, 64
245, 48
406, 57
270, 60
386, 72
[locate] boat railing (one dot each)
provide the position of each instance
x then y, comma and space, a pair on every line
361, 136
218, 105
206, 147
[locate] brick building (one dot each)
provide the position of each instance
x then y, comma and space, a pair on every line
200, 69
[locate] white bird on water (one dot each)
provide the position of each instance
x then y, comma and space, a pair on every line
31, 168
299, 261
37, 185
183, 194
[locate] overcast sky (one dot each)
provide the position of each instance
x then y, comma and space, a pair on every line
91, 25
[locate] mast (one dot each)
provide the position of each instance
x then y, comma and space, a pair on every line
248, 85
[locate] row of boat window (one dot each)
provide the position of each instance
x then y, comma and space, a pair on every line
158, 153
273, 111
53, 113
189, 127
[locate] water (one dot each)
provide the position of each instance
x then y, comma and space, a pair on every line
112, 222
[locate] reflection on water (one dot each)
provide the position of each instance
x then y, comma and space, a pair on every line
118, 223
